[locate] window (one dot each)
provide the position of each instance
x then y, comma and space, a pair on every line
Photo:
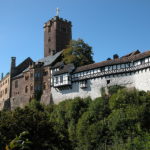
26, 89
135, 63
131, 64
106, 68
95, 70
31, 87
31, 75
44, 85
92, 71
127, 65
6, 91
16, 84
49, 39
103, 69
45, 73
99, 70
49, 51
114, 67
118, 66
56, 80
122, 66
83, 84
37, 74
81, 74
139, 62
110, 68
61, 79
64, 29
26, 77
49, 29
108, 81
39, 87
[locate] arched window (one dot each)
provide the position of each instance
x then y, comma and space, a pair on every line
26, 89
31, 87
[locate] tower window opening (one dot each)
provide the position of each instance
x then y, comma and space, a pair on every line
49, 29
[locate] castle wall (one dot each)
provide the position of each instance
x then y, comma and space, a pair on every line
4, 90
45, 98
138, 79
19, 98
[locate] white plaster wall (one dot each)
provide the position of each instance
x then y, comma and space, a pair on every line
140, 80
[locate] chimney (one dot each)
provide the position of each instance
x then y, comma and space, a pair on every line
13, 65
115, 56
2, 76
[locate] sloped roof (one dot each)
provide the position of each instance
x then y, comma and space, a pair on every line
58, 64
66, 69
22, 66
125, 59
18, 76
49, 59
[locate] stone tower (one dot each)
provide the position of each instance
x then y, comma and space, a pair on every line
57, 34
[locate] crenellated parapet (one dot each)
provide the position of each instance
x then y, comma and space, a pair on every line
57, 19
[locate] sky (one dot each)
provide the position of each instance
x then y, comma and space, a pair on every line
109, 26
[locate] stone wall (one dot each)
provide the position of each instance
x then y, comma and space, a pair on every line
4, 90
18, 96
45, 98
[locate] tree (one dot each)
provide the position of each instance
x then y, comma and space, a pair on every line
79, 53
21, 142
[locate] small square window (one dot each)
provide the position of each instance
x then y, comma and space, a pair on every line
108, 81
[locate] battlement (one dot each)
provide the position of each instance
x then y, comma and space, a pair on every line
56, 18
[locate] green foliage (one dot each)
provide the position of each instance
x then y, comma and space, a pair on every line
79, 53
21, 142
114, 89
119, 121
92, 126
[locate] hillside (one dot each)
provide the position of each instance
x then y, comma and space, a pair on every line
118, 121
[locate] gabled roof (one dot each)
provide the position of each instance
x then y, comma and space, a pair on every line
49, 59
132, 53
22, 66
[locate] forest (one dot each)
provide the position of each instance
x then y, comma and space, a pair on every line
118, 120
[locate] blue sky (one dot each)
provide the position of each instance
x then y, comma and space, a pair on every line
109, 26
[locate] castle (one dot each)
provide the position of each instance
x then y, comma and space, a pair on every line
53, 81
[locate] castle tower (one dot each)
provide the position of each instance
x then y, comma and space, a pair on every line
57, 34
